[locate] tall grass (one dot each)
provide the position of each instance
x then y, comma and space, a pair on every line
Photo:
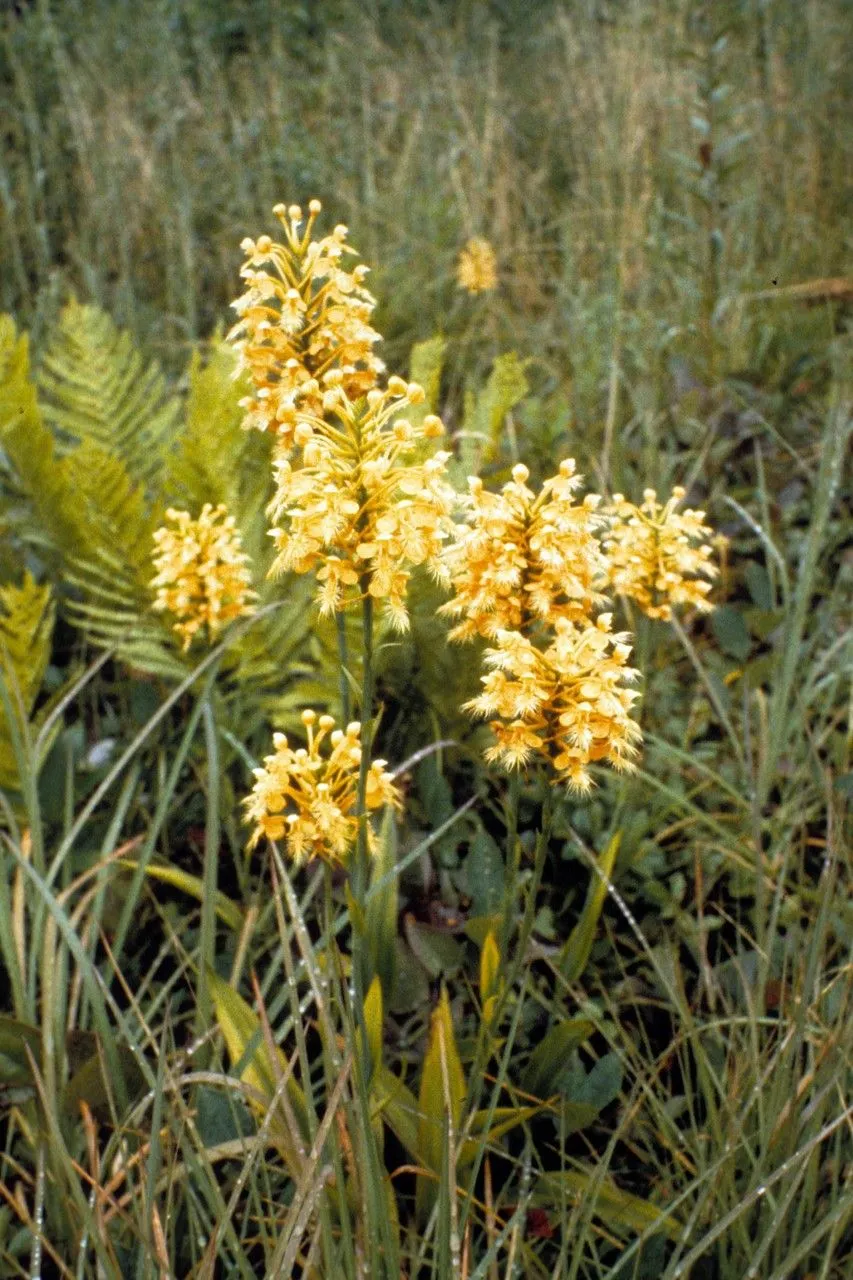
137, 152
642, 169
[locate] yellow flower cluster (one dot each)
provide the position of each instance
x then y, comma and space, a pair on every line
357, 507
477, 269
658, 555
520, 557
302, 314
308, 796
202, 572
528, 573
567, 702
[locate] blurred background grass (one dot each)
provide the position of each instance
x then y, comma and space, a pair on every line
639, 165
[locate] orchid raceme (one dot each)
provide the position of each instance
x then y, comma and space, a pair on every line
202, 575
569, 702
476, 269
356, 505
308, 795
520, 557
302, 314
657, 555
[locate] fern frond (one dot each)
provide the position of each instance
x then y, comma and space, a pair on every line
94, 385
26, 629
32, 469
215, 460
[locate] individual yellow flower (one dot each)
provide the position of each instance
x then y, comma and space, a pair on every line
202, 573
568, 703
356, 505
659, 556
476, 269
520, 557
308, 796
302, 314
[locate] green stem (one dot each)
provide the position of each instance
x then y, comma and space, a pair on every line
360, 870
343, 658
513, 858
207, 941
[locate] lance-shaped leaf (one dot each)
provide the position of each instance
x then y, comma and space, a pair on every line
548, 1060
381, 910
247, 1047
440, 1101
227, 910
490, 980
621, 1211
575, 953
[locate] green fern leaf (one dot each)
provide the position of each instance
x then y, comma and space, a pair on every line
94, 385
485, 412
426, 364
26, 629
32, 469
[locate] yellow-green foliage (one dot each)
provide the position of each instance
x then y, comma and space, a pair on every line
97, 449
26, 627
486, 410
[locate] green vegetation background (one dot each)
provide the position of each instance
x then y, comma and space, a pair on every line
667, 184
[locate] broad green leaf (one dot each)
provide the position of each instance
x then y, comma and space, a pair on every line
575, 954
548, 1059
621, 1211
439, 952
382, 908
490, 984
398, 1106
227, 910
601, 1083
442, 1095
373, 1024
484, 872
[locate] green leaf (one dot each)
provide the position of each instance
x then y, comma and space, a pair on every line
425, 366
439, 952
244, 1039
506, 386
490, 964
382, 908
548, 1060
227, 910
503, 1120
601, 1084
575, 953
440, 1101
622, 1212
484, 874
26, 629
95, 386
730, 629
373, 1024
398, 1106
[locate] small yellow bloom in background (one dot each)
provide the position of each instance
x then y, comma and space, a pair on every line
308, 796
659, 556
520, 557
477, 268
569, 703
202, 572
354, 504
303, 313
